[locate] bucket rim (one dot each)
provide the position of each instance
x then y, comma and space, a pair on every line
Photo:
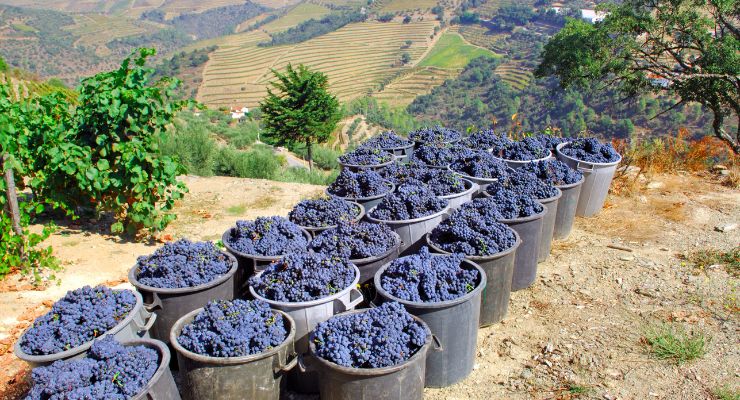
408, 221
164, 361
153, 289
369, 166
310, 303
469, 185
552, 198
391, 187
405, 147
532, 217
500, 254
421, 352
357, 217
189, 317
595, 164
440, 304
231, 250
397, 244
572, 185
474, 178
63, 355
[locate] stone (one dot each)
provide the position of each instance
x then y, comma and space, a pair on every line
726, 227
526, 374
627, 257
655, 185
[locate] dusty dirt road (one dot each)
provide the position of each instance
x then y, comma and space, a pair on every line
576, 333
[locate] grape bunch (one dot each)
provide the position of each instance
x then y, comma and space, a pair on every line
304, 276
366, 156
550, 142
267, 236
480, 164
436, 134
375, 338
408, 202
553, 172
428, 278
354, 240
590, 150
434, 154
182, 264
525, 183
233, 329
486, 139
529, 148
78, 317
358, 185
443, 182
319, 213
508, 204
386, 141
472, 234
400, 173
110, 371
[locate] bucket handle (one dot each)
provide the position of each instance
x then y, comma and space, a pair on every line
437, 344
353, 302
156, 303
303, 367
148, 325
584, 169
287, 367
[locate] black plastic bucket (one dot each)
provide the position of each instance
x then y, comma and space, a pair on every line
454, 324
136, 325
366, 202
369, 266
256, 376
250, 264
548, 225
314, 231
402, 381
412, 231
171, 304
530, 233
162, 385
567, 209
403, 154
499, 270
597, 180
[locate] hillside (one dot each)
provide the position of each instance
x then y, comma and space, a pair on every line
576, 333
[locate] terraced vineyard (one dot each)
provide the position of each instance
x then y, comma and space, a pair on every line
489, 8
513, 74
22, 88
389, 6
417, 81
480, 36
95, 30
238, 72
300, 13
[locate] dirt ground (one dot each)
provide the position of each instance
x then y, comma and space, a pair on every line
576, 333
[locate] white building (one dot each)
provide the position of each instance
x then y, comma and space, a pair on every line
592, 16
239, 113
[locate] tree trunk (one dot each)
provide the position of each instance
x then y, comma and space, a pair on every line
309, 155
11, 195
719, 131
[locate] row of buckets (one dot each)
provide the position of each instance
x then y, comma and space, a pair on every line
447, 357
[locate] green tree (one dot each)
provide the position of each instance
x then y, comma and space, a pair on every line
3, 65
684, 48
302, 110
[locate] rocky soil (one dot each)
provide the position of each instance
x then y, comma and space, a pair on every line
578, 332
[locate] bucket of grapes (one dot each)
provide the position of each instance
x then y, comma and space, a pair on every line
137, 369
436, 134
490, 244
451, 308
517, 154
366, 187
68, 330
352, 364
411, 211
366, 158
318, 215
400, 147
180, 277
234, 349
480, 167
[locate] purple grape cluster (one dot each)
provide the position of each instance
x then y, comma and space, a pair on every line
480, 164
267, 236
428, 278
554, 172
386, 141
400, 173
80, 316
182, 264
468, 232
590, 150
304, 276
443, 182
526, 149
436, 134
111, 371
487, 139
434, 154
233, 329
366, 156
550, 141
358, 185
408, 202
319, 213
526, 183
508, 204
375, 338
354, 240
